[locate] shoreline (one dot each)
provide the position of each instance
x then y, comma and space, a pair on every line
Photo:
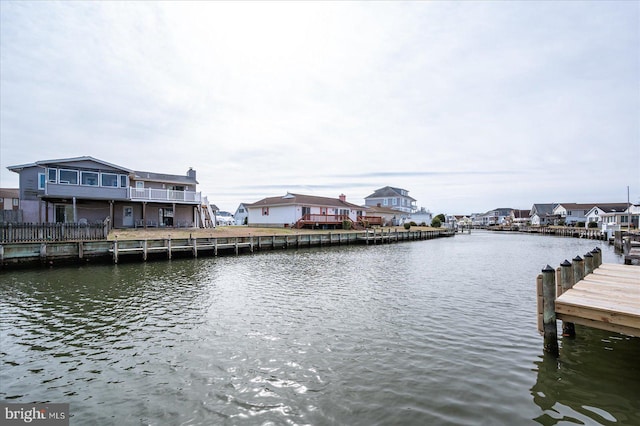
144, 245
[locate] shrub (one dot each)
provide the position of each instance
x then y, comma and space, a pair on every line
346, 225
593, 224
407, 225
413, 223
435, 223
580, 224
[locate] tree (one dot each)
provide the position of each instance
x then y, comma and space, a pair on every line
436, 223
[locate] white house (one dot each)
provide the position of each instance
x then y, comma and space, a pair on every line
241, 215
619, 220
573, 213
303, 210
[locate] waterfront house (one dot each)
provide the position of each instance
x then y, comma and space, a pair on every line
494, 217
87, 190
9, 199
394, 198
542, 214
572, 213
390, 217
10, 205
611, 218
298, 210
519, 217
241, 214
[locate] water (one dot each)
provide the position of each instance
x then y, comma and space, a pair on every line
427, 332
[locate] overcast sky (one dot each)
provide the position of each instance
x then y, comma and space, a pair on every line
469, 106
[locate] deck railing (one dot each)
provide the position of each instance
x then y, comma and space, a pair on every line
164, 195
37, 232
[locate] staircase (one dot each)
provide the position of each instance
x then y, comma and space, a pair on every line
207, 218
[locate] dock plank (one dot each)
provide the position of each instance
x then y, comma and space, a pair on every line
609, 299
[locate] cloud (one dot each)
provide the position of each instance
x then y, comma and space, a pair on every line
465, 104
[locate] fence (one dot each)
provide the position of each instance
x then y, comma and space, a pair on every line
34, 232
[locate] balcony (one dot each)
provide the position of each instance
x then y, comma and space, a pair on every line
169, 195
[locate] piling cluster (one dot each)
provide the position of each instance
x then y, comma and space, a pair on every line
551, 283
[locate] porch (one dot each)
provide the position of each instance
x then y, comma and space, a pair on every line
152, 194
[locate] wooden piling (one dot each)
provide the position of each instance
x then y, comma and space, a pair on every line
578, 269
588, 263
567, 282
115, 251
597, 257
549, 311
144, 250
169, 248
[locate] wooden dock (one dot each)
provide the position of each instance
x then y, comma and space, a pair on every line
50, 253
589, 293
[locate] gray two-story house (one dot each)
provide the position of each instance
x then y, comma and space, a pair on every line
88, 190
393, 198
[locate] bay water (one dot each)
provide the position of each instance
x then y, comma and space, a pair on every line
436, 332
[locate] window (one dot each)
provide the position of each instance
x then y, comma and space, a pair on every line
16, 202
89, 178
109, 179
123, 181
394, 201
52, 175
265, 211
41, 180
69, 177
385, 202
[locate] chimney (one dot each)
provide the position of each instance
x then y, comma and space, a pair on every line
343, 198
191, 173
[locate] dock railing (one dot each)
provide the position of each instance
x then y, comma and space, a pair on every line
42, 232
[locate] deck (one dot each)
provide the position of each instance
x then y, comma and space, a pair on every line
608, 299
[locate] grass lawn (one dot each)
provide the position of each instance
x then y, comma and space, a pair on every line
230, 231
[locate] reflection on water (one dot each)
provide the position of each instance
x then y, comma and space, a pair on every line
428, 332
596, 369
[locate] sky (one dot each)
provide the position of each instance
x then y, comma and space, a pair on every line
469, 106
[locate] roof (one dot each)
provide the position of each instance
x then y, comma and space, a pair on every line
606, 207
612, 207
163, 177
300, 199
543, 209
521, 214
382, 210
9, 193
43, 163
390, 191
148, 176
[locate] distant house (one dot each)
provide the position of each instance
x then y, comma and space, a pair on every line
10, 205
542, 214
86, 189
494, 217
241, 215
303, 210
394, 198
9, 199
596, 212
520, 217
612, 218
390, 217
572, 213
421, 216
